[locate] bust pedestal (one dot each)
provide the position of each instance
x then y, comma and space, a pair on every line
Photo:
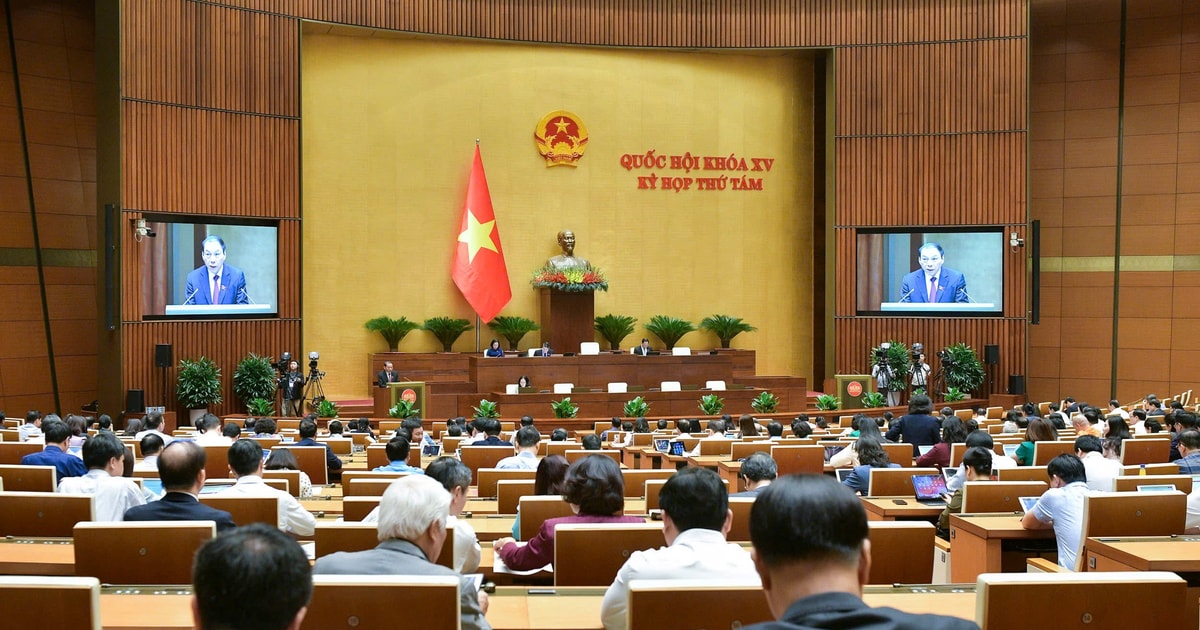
567, 318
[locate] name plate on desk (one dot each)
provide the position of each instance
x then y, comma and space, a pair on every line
943, 307
220, 309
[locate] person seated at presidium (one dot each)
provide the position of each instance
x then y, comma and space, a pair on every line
215, 282
413, 513
944, 284
644, 348
494, 349
544, 351
595, 490
813, 556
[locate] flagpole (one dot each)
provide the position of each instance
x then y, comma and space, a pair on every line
476, 314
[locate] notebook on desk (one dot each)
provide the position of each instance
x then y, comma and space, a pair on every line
930, 489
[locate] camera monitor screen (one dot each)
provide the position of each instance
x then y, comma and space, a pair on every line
197, 268
949, 271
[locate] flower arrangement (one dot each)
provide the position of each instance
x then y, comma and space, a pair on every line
572, 280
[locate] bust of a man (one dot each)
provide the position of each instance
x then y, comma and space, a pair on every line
567, 259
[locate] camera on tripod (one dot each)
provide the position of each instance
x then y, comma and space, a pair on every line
313, 357
918, 350
945, 357
282, 364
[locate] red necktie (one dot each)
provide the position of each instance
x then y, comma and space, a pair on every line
933, 289
216, 295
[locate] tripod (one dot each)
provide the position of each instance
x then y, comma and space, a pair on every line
939, 382
314, 393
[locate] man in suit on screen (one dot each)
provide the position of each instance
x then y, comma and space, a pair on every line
215, 282
933, 282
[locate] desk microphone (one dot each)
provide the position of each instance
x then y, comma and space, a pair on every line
904, 298
963, 290
243, 291
189, 298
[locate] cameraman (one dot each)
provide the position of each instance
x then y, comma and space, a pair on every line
883, 375
920, 372
292, 384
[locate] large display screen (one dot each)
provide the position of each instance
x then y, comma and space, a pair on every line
198, 268
948, 271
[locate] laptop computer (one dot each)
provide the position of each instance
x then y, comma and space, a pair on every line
949, 473
924, 448
1156, 487
662, 445
930, 489
1027, 503
842, 473
1010, 450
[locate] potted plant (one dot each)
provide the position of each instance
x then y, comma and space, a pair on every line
564, 408
712, 404
954, 395
447, 330
198, 385
896, 358
254, 378
614, 328
826, 402
261, 407
512, 328
404, 409
637, 408
393, 330
326, 408
961, 368
871, 400
487, 409
765, 402
725, 327
669, 330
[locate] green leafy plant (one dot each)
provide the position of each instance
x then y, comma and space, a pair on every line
637, 408
564, 408
961, 368
487, 409
447, 330
766, 402
326, 408
669, 329
897, 359
615, 328
512, 328
826, 402
199, 383
393, 330
712, 404
260, 407
871, 400
725, 327
404, 409
954, 395
254, 378
919, 391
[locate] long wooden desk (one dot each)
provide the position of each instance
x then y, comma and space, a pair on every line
510, 608
977, 544
599, 370
899, 509
1178, 554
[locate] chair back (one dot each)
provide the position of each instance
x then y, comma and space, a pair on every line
1060, 600
486, 479
670, 386
589, 347
654, 488
1151, 469
1045, 451
355, 509
689, 604
480, 457
367, 487
618, 388
1107, 514
742, 450
901, 552
312, 460
245, 510
574, 455
681, 351
895, 482
563, 388
635, 480
149, 552
739, 530
999, 496
793, 460
369, 601
216, 461
340, 446
1023, 473
716, 386
377, 456
292, 477
537, 509
1130, 483
509, 493
899, 454
18, 478
957, 450
591, 554
50, 602
1135, 452
716, 447
12, 452
43, 513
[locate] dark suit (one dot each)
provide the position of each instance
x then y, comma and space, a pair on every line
916, 430
951, 287
233, 287
331, 460
383, 378
543, 352
843, 610
400, 557
642, 351
180, 506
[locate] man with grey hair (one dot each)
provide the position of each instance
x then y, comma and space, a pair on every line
412, 528
759, 470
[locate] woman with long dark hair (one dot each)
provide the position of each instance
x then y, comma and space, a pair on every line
1039, 431
870, 455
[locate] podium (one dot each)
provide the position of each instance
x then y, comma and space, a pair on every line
568, 318
408, 390
852, 387
943, 307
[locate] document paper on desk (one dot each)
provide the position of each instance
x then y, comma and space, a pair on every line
498, 566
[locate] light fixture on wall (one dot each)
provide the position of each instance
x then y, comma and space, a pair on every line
1015, 241
141, 231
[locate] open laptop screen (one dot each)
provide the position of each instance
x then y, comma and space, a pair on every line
929, 487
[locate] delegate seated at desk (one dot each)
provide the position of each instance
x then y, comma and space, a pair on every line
1061, 507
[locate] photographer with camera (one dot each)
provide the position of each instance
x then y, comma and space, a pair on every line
292, 383
883, 373
919, 372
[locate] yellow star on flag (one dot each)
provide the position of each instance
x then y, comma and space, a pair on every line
477, 236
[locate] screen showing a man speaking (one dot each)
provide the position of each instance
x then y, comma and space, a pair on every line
916, 272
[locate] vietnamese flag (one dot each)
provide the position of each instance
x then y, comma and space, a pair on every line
479, 269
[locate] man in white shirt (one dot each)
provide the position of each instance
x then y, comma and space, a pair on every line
1101, 471
104, 455
1114, 409
716, 431
979, 437
696, 518
1061, 507
32, 427
154, 425
211, 434
246, 461
151, 446
527, 451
